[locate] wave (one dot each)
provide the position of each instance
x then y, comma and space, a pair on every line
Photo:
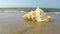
53, 12
12, 11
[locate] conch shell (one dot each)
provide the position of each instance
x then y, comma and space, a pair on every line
38, 15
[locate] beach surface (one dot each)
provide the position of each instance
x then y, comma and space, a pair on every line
13, 23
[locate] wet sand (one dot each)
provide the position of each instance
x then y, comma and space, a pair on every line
13, 23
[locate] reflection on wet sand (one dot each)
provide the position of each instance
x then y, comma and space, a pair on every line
35, 28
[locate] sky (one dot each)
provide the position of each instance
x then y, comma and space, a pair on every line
30, 3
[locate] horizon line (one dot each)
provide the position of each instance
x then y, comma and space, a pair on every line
22, 7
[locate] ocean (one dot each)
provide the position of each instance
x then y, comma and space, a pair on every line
12, 22
28, 9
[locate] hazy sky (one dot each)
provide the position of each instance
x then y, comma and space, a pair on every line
30, 3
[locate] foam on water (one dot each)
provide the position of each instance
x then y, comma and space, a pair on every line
11, 11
